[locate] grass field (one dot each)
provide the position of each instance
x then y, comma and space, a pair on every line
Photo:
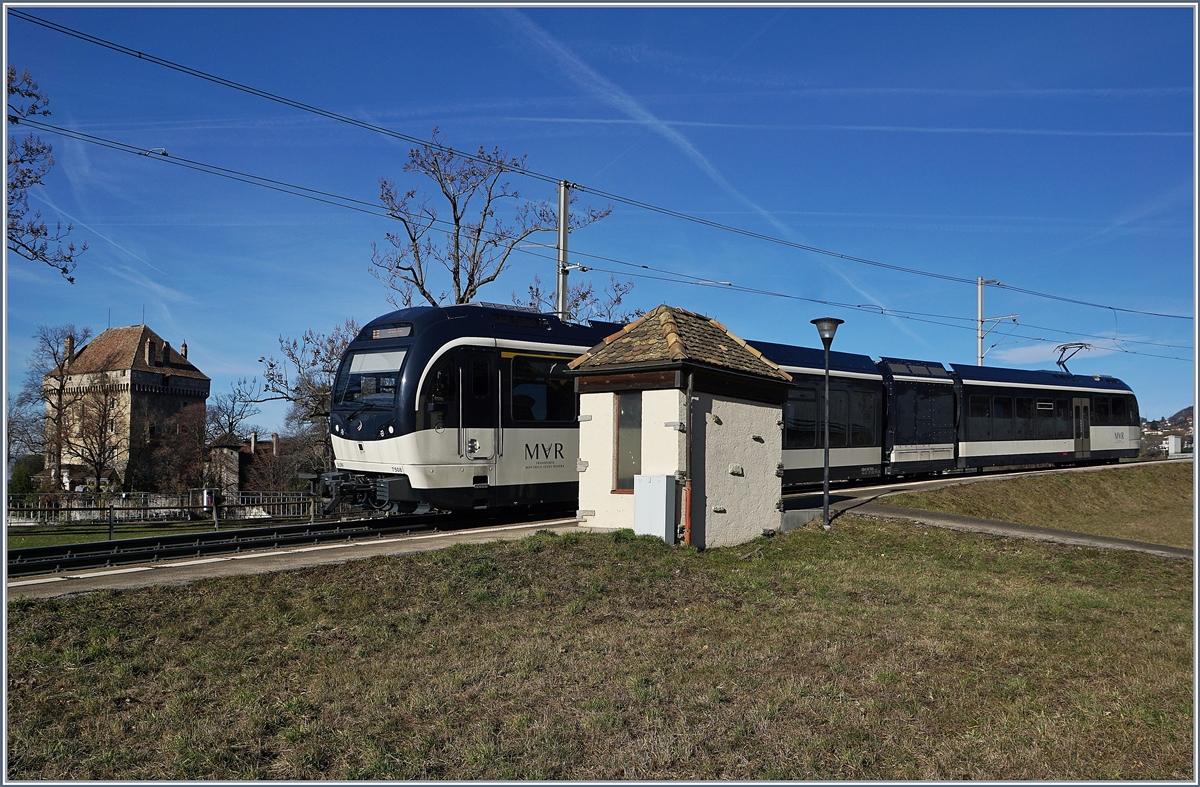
1150, 503
878, 651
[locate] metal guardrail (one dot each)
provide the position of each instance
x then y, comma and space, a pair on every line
98, 554
69, 508
64, 557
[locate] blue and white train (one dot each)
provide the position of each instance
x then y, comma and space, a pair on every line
470, 407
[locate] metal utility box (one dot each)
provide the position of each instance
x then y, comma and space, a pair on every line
654, 506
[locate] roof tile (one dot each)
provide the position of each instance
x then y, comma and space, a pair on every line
667, 335
125, 348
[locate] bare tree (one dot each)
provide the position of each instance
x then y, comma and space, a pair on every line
583, 302
304, 378
179, 451
305, 375
228, 412
24, 427
472, 243
271, 471
97, 431
29, 161
46, 386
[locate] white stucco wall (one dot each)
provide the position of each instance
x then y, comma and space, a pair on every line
596, 481
663, 447
724, 434
729, 435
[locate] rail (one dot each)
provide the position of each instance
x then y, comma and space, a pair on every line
66, 557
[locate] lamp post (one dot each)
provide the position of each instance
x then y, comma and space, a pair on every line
827, 327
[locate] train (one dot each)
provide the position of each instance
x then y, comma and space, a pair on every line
444, 407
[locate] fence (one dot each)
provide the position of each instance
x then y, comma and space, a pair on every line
77, 508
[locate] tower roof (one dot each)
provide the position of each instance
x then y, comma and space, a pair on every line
125, 348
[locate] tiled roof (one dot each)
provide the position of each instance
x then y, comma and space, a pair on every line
125, 348
671, 335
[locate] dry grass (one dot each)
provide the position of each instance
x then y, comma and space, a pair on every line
879, 651
1149, 503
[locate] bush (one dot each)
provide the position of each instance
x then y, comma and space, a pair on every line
24, 469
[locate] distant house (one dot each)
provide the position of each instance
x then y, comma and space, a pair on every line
236, 465
125, 383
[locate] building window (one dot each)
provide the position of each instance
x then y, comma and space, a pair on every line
629, 438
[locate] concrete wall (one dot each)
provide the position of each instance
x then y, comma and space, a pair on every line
736, 449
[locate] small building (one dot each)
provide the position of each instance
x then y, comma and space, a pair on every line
676, 397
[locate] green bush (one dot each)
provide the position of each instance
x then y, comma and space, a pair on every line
24, 469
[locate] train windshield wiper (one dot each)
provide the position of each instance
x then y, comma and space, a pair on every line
363, 408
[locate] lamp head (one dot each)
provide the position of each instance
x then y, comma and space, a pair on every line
827, 327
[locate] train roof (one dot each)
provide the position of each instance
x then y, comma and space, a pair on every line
907, 367
492, 319
993, 374
793, 357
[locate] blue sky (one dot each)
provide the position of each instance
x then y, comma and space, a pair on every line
1049, 148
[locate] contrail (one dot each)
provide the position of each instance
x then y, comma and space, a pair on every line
596, 84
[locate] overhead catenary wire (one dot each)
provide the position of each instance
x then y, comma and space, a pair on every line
675, 277
641, 204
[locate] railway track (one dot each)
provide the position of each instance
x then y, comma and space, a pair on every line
101, 554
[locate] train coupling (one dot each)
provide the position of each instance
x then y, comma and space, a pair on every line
374, 492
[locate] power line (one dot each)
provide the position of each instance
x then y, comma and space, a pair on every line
122, 49
361, 206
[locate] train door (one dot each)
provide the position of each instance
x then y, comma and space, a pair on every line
479, 406
1083, 427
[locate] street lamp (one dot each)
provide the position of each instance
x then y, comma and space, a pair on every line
827, 327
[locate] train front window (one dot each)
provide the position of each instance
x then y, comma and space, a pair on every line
370, 378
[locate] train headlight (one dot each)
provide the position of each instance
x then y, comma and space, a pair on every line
390, 430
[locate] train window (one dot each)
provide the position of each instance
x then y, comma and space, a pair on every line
540, 390
435, 408
480, 379
629, 438
1119, 416
905, 417
980, 415
839, 406
1023, 419
1002, 418
1062, 419
862, 418
800, 419
1134, 418
1100, 411
370, 378
1045, 419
